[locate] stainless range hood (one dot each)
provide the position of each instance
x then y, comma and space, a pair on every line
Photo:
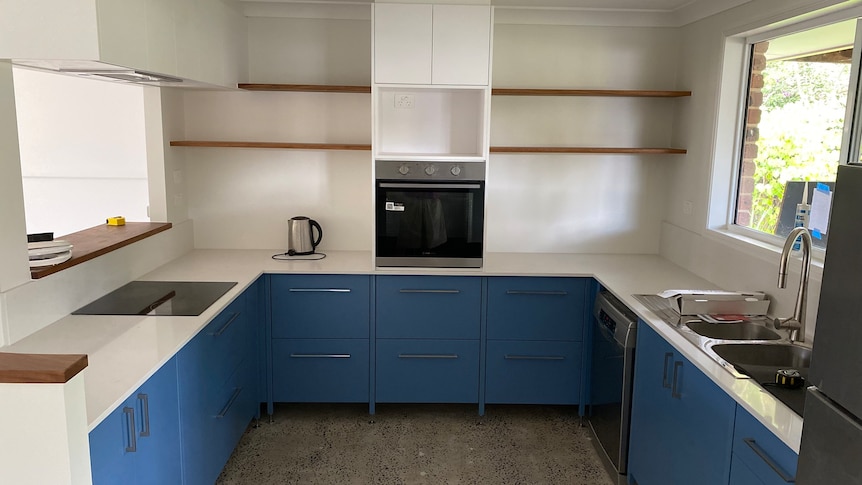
131, 76
103, 71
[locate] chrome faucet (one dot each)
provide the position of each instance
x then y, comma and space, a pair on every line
796, 323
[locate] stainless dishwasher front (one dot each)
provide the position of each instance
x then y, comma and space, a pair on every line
612, 369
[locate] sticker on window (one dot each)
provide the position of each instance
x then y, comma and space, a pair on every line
395, 206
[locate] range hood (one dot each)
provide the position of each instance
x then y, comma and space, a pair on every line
103, 71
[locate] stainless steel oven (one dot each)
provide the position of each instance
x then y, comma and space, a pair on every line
429, 213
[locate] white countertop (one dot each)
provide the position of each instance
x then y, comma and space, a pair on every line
124, 351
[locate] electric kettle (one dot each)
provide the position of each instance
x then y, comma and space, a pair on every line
300, 236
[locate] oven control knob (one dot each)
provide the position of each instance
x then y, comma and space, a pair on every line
455, 170
430, 169
404, 170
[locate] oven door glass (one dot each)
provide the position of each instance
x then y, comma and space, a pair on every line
433, 224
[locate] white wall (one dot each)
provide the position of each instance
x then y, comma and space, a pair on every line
242, 198
709, 127
83, 152
580, 203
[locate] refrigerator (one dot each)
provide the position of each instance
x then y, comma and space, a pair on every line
831, 448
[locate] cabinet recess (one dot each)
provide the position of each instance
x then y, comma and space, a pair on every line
630, 93
307, 88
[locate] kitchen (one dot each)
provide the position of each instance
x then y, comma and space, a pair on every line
621, 205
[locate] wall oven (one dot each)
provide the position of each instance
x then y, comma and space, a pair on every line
429, 213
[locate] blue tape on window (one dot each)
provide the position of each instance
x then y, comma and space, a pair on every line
823, 187
816, 233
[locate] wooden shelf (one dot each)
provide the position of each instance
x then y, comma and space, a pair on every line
307, 88
266, 144
96, 241
589, 92
602, 150
40, 368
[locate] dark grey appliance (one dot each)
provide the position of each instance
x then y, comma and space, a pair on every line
611, 372
429, 214
831, 449
172, 298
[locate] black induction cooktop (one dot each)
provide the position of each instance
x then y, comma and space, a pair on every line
172, 298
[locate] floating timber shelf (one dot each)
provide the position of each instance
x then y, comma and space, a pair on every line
266, 144
600, 150
307, 88
589, 92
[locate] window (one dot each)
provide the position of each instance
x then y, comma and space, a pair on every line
797, 99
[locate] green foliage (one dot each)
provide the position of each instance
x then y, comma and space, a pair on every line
800, 131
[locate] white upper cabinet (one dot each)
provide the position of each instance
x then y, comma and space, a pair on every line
425, 44
462, 44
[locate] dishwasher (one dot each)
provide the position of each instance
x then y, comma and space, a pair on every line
611, 372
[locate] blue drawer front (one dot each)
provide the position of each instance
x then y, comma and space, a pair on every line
225, 341
533, 372
230, 411
749, 435
320, 306
740, 474
428, 307
325, 370
428, 371
524, 308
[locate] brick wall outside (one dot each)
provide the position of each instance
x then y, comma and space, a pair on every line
751, 135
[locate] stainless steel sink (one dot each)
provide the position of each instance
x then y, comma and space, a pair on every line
733, 331
766, 355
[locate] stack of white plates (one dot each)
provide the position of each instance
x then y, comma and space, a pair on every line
49, 253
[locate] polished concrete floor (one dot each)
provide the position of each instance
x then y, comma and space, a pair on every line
416, 444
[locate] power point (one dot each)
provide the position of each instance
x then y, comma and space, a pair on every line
404, 101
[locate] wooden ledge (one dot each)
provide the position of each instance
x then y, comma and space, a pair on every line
627, 93
96, 241
308, 88
596, 150
268, 144
40, 368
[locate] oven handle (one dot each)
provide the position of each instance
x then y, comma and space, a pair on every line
433, 186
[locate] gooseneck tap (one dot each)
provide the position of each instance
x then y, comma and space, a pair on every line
796, 323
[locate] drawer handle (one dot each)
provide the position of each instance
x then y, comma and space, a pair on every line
320, 356
227, 406
145, 410
429, 291
130, 421
668, 356
225, 326
319, 290
534, 357
528, 292
674, 392
768, 459
427, 356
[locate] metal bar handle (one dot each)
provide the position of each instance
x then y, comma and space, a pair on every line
768, 459
668, 356
529, 292
674, 392
145, 410
427, 356
533, 357
130, 421
320, 356
434, 186
319, 290
225, 326
428, 291
227, 406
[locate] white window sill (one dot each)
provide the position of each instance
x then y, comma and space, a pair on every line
767, 251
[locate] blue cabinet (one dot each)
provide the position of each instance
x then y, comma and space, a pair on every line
535, 333
681, 422
427, 344
139, 443
218, 390
320, 349
759, 457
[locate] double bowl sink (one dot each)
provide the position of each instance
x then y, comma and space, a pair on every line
745, 349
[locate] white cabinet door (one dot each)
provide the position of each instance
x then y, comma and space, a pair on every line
402, 43
462, 44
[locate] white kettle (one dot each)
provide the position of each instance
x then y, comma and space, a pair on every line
300, 236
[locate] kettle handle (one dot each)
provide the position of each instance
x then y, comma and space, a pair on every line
314, 223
